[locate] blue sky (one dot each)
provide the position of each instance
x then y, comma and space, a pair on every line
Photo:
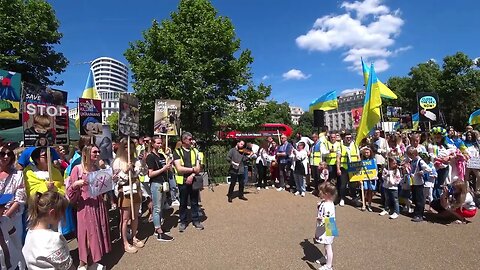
303, 49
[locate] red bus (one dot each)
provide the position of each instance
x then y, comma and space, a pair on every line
271, 129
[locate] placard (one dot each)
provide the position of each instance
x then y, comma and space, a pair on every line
167, 116
128, 119
104, 143
362, 170
473, 163
90, 113
10, 94
356, 117
393, 114
100, 182
45, 116
428, 107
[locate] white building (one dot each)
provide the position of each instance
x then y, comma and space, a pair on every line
341, 118
295, 113
111, 79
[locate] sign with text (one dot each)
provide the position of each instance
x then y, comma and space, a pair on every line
100, 182
45, 116
428, 107
167, 116
10, 94
90, 113
474, 163
393, 114
128, 119
362, 170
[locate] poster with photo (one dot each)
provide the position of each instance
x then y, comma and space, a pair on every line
405, 121
167, 116
428, 107
10, 94
128, 118
356, 117
90, 113
45, 116
104, 143
393, 114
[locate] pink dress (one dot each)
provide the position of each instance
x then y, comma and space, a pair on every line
93, 232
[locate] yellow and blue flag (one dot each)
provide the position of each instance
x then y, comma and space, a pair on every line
371, 107
385, 92
330, 226
89, 92
326, 102
474, 118
415, 121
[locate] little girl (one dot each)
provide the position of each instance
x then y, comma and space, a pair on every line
391, 178
45, 248
369, 185
323, 170
326, 209
428, 179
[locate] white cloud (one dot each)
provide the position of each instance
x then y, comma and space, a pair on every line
476, 61
368, 33
295, 74
265, 77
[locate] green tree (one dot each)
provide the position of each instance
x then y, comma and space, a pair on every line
29, 32
305, 125
195, 57
277, 113
112, 121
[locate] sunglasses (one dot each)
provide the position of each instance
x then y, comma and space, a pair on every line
10, 154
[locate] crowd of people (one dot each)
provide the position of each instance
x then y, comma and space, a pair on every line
42, 204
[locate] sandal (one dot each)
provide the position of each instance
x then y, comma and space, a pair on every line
131, 249
137, 243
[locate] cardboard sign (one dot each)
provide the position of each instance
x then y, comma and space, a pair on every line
167, 116
100, 182
104, 143
45, 116
362, 170
428, 107
90, 114
356, 116
393, 114
10, 94
474, 163
128, 119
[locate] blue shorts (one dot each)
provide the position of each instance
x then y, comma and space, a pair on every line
370, 185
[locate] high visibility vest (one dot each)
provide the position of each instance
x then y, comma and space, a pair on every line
201, 157
193, 159
331, 157
345, 157
316, 154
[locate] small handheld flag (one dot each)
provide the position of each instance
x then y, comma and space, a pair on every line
474, 118
330, 226
326, 102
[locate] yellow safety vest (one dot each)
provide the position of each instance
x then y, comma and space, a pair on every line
331, 157
316, 156
193, 158
201, 157
353, 155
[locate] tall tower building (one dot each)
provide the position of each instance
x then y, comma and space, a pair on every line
111, 79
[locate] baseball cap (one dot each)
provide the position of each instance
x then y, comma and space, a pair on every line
5, 198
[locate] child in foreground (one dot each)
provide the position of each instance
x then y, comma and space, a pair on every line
45, 248
326, 209
391, 179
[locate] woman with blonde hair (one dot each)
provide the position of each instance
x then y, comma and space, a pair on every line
121, 170
93, 233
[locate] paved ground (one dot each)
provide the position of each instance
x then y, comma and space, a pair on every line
274, 230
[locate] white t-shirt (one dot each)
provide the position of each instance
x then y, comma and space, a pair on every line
46, 249
12, 255
469, 204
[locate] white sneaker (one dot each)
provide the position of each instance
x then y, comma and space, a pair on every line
280, 189
394, 216
325, 267
302, 194
383, 213
410, 210
342, 203
297, 193
258, 188
266, 187
176, 203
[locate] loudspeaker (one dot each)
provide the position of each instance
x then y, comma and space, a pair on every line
318, 118
207, 122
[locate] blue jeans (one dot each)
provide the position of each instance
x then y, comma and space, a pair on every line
187, 192
173, 187
391, 200
437, 188
300, 182
419, 200
158, 199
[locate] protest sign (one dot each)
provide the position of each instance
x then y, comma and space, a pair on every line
356, 117
474, 163
167, 116
100, 182
104, 142
362, 170
90, 113
128, 116
10, 94
428, 107
45, 116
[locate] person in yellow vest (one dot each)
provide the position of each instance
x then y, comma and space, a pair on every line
347, 152
329, 152
187, 165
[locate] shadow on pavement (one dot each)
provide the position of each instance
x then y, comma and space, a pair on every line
310, 252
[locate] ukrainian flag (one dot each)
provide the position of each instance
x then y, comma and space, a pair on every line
415, 121
385, 92
326, 102
89, 92
330, 226
474, 118
371, 107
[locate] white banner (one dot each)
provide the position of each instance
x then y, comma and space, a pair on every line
474, 163
100, 182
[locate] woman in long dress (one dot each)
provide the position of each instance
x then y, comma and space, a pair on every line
93, 231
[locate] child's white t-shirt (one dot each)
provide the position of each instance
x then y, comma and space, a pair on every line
46, 249
10, 251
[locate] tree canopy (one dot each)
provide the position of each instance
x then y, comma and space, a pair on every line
29, 32
195, 57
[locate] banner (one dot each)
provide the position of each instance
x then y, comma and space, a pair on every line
405, 121
393, 114
128, 118
428, 107
10, 94
99, 182
45, 116
167, 116
362, 170
104, 143
90, 113
356, 116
